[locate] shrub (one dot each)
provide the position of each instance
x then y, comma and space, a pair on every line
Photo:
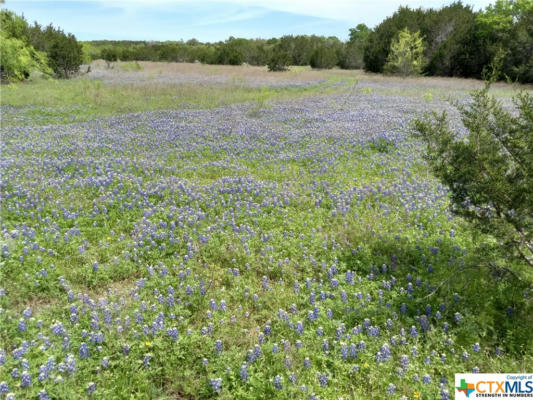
65, 55
279, 61
19, 60
26, 48
323, 57
109, 54
228, 55
406, 56
490, 171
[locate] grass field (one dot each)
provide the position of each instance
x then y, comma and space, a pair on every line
184, 231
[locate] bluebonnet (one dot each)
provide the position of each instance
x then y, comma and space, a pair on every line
91, 388
25, 379
323, 379
278, 382
84, 351
43, 395
244, 372
216, 384
391, 389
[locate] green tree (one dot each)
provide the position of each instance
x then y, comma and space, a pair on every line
279, 60
18, 58
353, 54
378, 43
406, 56
65, 55
109, 54
506, 31
323, 57
490, 171
228, 54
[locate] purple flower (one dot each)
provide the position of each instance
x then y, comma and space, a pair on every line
25, 379
91, 388
173, 333
244, 372
323, 379
43, 395
391, 389
278, 382
299, 327
22, 326
325, 345
84, 351
216, 384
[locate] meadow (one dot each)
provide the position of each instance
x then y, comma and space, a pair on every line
184, 231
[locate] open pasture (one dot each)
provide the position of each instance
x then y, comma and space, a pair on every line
223, 232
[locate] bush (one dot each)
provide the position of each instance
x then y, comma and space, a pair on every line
323, 57
65, 55
26, 48
406, 56
228, 55
19, 60
279, 61
109, 54
489, 172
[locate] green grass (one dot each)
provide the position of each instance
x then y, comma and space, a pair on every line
65, 101
373, 233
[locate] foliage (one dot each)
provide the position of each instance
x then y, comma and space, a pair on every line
109, 54
461, 42
232, 51
65, 55
279, 60
506, 31
378, 43
406, 56
323, 57
228, 53
18, 58
38, 48
352, 56
490, 171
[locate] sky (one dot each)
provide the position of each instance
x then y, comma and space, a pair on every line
213, 20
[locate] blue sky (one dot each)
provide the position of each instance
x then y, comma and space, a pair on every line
212, 20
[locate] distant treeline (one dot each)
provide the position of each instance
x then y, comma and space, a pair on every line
457, 41
452, 41
234, 51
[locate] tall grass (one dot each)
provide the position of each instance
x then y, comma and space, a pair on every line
81, 99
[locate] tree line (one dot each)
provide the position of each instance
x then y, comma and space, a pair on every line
25, 48
452, 41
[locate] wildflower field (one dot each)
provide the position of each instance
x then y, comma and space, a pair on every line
196, 235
